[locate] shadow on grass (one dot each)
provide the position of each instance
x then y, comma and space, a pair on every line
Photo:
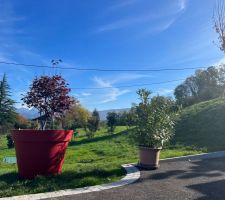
66, 180
97, 139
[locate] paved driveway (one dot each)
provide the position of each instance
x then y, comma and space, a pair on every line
174, 180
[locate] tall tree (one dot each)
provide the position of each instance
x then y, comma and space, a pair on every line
111, 121
7, 110
96, 119
93, 124
203, 85
76, 117
219, 23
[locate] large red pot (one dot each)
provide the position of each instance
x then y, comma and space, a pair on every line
40, 152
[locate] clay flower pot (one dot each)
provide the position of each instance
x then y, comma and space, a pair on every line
40, 152
149, 157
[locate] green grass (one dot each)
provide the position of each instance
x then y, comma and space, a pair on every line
202, 125
88, 162
200, 128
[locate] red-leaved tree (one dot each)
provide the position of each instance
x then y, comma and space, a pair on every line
50, 96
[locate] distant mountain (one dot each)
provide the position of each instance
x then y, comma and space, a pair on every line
28, 113
32, 113
103, 113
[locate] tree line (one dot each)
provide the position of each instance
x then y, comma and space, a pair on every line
203, 85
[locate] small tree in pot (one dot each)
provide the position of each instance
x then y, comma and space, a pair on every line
41, 152
154, 126
50, 96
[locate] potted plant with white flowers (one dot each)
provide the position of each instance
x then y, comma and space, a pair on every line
154, 118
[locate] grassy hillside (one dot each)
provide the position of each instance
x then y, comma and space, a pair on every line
203, 125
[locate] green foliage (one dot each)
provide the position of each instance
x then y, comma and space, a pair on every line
204, 85
76, 117
10, 143
93, 124
111, 121
22, 123
202, 125
7, 110
126, 118
154, 120
96, 120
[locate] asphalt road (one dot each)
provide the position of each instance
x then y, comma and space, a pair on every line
176, 181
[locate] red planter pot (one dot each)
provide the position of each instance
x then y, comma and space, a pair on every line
40, 152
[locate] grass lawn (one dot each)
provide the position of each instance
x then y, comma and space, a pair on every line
88, 162
202, 125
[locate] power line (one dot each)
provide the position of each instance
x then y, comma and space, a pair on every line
101, 69
123, 86
127, 86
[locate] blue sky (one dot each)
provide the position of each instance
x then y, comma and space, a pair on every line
107, 34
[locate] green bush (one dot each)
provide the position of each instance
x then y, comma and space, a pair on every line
154, 120
10, 143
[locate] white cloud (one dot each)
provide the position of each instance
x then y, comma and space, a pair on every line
102, 83
154, 18
182, 4
111, 93
85, 94
164, 92
219, 62
126, 22
160, 27
129, 77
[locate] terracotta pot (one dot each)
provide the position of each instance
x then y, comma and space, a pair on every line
40, 152
149, 157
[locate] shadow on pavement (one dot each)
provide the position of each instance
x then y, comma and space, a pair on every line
204, 168
211, 190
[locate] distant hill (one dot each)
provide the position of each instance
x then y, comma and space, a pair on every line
32, 113
28, 113
103, 113
202, 125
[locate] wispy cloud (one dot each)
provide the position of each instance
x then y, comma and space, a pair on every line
9, 30
129, 77
126, 22
86, 94
110, 94
160, 27
219, 62
165, 92
182, 4
9, 19
121, 4
153, 20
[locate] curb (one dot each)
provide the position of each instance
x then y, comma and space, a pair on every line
133, 174
202, 156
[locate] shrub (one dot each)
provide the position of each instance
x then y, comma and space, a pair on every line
10, 143
111, 121
154, 119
